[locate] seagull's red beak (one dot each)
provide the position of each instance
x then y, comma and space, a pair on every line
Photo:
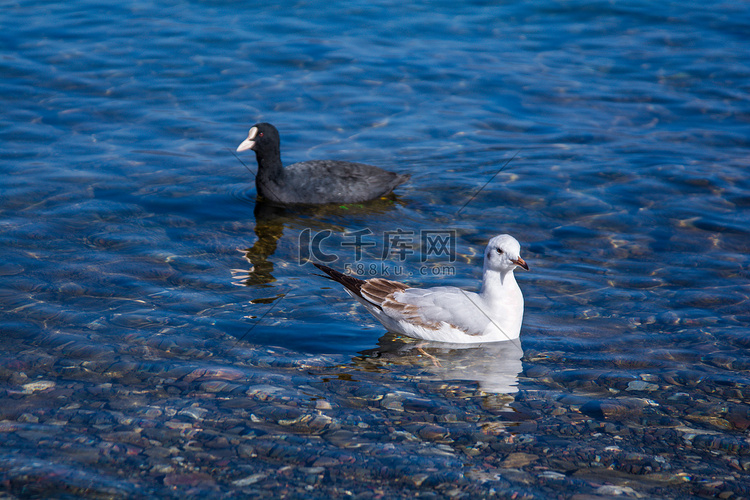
520, 262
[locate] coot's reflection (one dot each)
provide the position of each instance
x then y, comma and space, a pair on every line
272, 219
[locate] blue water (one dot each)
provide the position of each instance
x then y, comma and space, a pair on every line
160, 331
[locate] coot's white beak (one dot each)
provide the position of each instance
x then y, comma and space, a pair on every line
249, 142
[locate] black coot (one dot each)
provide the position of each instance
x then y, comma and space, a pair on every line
316, 181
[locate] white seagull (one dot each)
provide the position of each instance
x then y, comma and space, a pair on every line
447, 313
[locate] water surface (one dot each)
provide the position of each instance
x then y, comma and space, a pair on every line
162, 338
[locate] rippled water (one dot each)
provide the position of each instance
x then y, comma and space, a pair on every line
161, 338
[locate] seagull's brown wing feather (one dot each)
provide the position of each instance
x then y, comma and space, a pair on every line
379, 290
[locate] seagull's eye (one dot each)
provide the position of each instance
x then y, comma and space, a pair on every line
499, 251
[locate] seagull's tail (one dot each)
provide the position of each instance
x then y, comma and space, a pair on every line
351, 283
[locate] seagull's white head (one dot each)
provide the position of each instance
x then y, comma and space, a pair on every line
503, 254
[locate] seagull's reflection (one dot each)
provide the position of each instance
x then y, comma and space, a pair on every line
495, 366
271, 219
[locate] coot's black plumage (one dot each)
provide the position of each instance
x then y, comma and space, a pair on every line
316, 181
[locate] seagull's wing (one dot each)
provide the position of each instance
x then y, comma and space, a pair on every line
430, 308
380, 292
433, 307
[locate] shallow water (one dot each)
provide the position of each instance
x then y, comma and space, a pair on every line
162, 335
